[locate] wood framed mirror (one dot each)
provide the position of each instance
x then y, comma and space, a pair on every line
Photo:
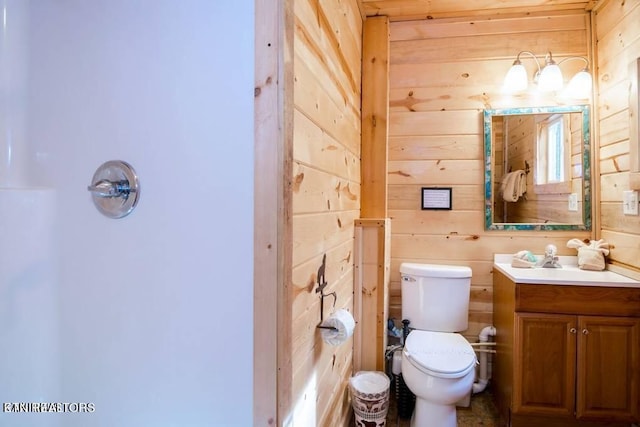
537, 168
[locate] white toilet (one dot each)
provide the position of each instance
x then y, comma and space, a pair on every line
438, 364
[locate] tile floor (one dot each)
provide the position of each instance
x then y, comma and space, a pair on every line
481, 413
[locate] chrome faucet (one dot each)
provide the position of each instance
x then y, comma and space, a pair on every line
550, 259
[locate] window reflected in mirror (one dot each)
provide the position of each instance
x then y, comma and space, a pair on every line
552, 149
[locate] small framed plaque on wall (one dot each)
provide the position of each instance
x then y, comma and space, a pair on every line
437, 198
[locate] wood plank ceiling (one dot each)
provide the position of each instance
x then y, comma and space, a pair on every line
399, 10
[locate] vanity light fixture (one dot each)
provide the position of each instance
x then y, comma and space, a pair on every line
549, 78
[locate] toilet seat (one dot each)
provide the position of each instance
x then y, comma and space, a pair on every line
441, 354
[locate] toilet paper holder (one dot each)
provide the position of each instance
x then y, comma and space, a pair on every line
322, 283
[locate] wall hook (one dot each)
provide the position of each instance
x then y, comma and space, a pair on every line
526, 169
322, 283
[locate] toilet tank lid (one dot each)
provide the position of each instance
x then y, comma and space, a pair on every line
435, 270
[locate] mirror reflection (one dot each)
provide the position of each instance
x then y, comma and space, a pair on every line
537, 170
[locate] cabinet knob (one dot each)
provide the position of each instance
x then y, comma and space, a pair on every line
573, 330
585, 332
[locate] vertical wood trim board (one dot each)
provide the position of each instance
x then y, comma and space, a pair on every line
384, 254
375, 110
371, 291
358, 277
271, 231
634, 124
285, 232
596, 207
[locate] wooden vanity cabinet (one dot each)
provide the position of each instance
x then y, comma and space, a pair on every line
566, 355
544, 364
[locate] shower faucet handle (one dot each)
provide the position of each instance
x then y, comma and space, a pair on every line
115, 189
106, 188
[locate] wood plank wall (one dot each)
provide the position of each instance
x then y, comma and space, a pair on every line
617, 30
443, 73
326, 200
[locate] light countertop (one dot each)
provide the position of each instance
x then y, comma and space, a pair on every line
569, 274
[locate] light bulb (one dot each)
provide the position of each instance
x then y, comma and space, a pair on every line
580, 85
516, 78
550, 77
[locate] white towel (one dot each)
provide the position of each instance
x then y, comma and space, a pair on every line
514, 185
523, 259
591, 256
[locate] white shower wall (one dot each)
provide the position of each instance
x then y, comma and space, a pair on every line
29, 368
154, 311
13, 92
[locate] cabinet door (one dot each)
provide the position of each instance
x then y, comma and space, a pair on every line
544, 364
608, 368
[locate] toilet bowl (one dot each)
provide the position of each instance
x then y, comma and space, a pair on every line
438, 364
439, 368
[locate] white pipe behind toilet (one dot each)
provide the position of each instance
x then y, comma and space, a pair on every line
483, 378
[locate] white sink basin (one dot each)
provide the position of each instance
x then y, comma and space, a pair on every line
569, 274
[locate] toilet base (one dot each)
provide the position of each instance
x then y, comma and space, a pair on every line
428, 414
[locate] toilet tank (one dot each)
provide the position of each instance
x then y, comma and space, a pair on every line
435, 297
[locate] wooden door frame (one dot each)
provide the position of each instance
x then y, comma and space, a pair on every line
273, 156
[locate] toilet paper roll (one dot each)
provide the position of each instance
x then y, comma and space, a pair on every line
343, 321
